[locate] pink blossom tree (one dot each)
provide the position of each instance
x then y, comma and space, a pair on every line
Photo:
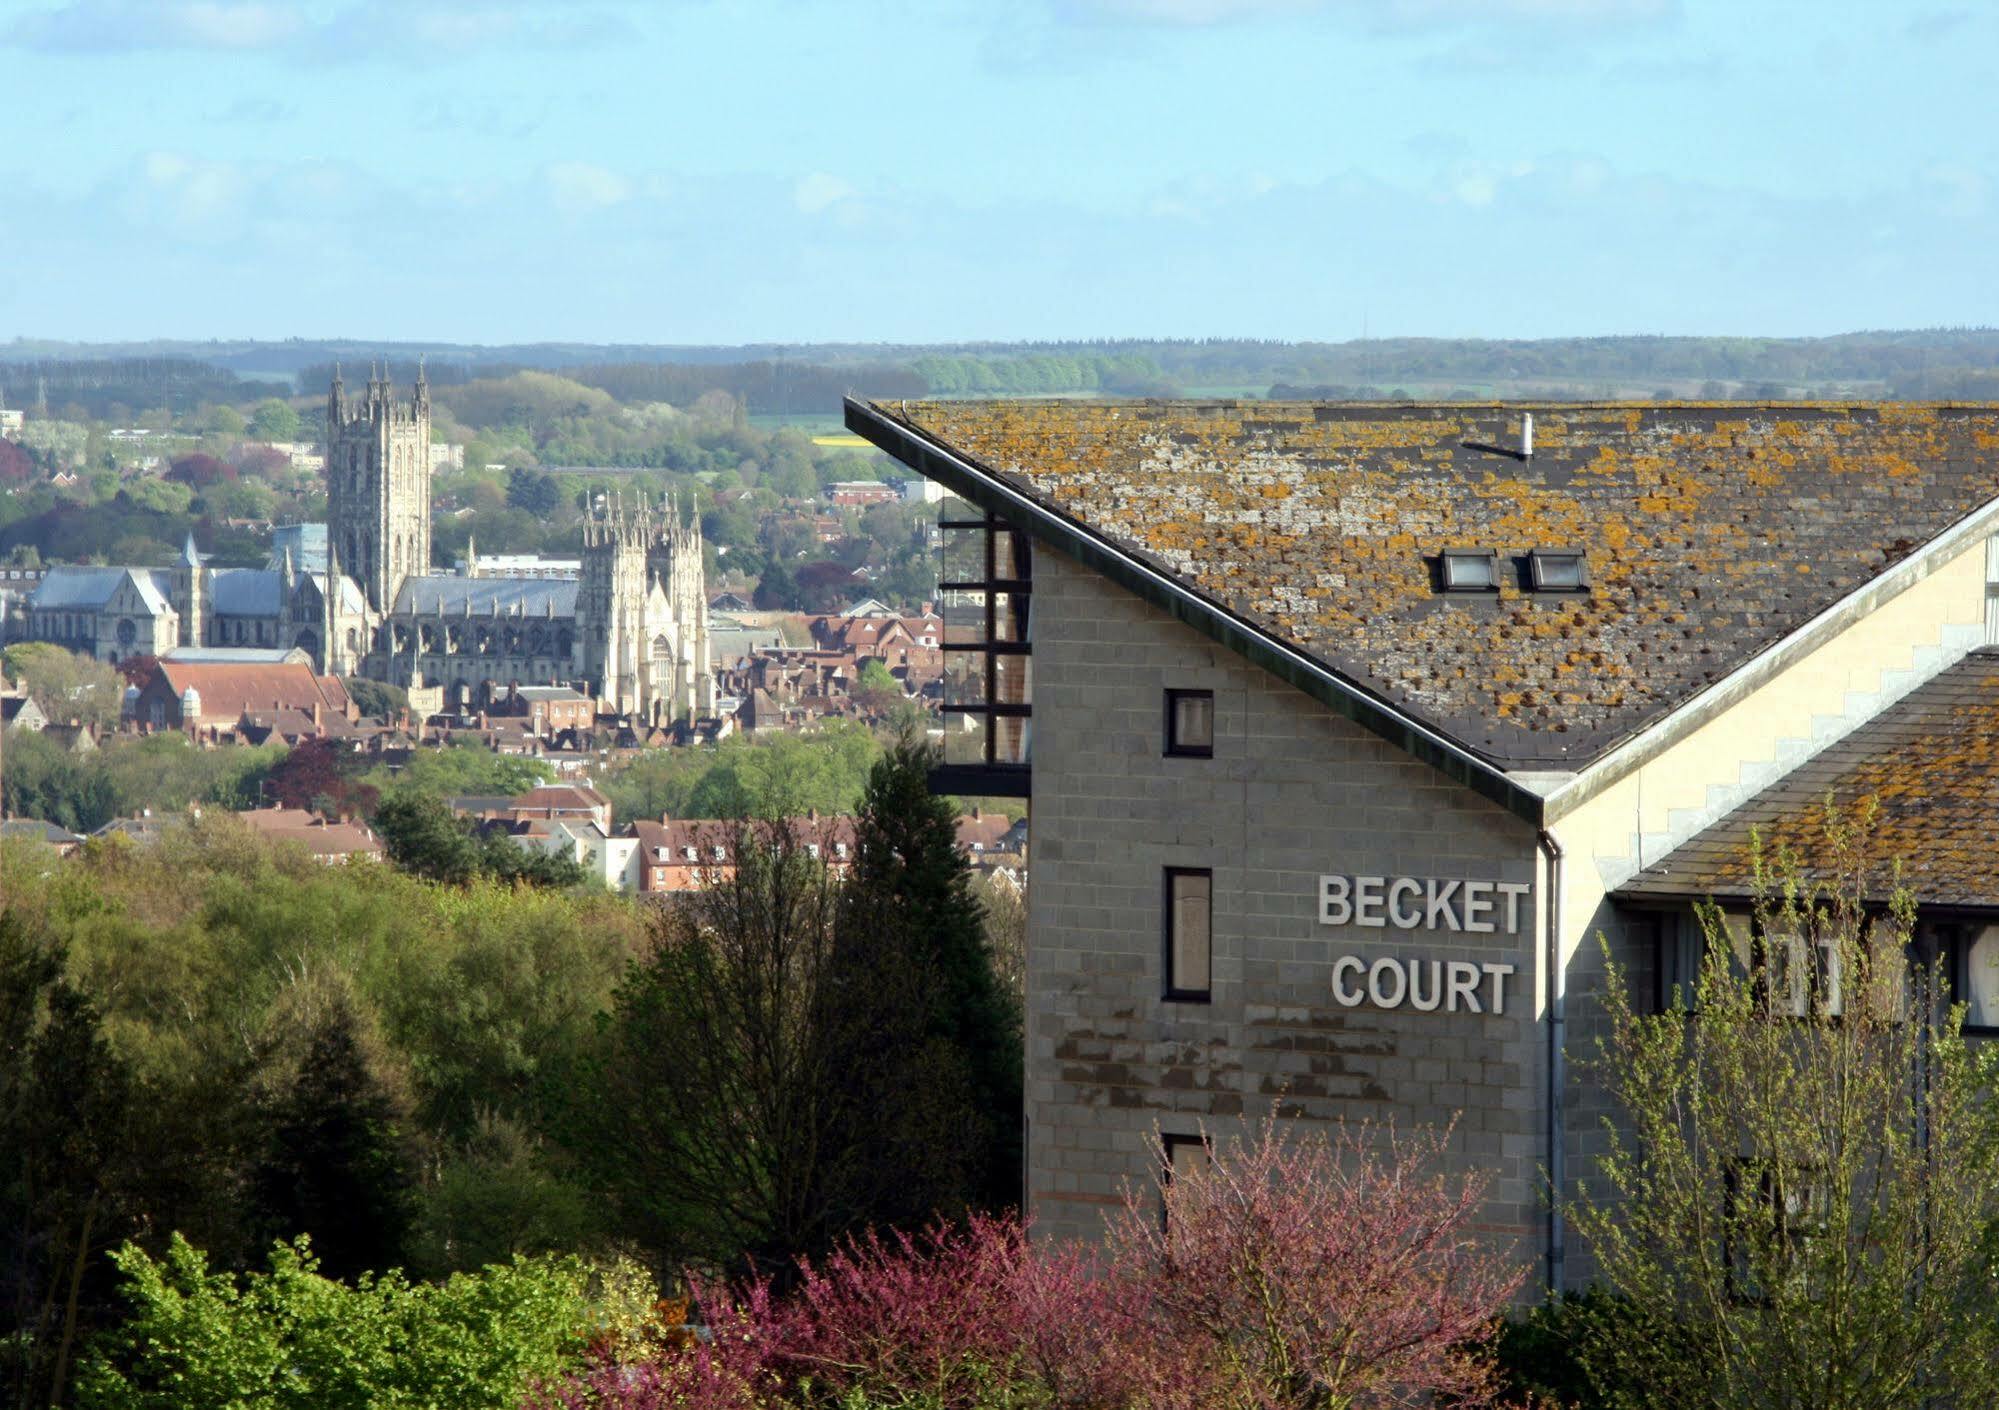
1318, 1271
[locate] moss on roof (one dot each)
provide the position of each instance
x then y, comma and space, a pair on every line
1927, 773
1712, 530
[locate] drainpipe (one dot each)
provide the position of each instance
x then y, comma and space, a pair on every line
1558, 986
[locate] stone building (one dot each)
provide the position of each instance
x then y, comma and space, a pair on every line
631, 631
1353, 727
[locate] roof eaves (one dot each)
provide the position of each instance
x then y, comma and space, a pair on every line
1647, 744
985, 488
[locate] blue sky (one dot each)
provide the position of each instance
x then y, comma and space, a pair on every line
745, 170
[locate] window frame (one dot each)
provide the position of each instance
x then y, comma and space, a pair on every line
1487, 556
1171, 991
1175, 749
1539, 557
1170, 1144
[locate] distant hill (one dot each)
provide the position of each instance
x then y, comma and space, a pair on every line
1958, 363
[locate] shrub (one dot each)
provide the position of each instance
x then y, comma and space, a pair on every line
292, 1338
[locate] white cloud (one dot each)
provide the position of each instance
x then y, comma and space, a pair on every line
115, 25
428, 28
1389, 14
580, 187
819, 192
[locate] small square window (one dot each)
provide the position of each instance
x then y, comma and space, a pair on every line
1470, 570
1189, 931
1557, 570
1190, 723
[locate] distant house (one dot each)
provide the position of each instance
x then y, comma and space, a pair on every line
687, 854
21, 712
72, 737
858, 494
35, 830
549, 709
329, 840
208, 694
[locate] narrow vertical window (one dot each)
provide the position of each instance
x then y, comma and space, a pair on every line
1190, 723
1182, 1156
1189, 928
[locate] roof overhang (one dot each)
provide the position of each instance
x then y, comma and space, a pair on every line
935, 461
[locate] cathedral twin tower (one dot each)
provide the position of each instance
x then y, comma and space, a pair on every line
632, 629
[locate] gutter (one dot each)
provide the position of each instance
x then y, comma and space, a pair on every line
983, 487
1558, 996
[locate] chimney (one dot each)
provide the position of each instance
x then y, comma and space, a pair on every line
1527, 435
317, 728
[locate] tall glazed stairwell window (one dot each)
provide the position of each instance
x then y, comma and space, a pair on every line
984, 587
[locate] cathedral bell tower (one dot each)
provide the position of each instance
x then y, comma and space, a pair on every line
378, 486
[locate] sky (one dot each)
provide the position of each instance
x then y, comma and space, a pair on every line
730, 171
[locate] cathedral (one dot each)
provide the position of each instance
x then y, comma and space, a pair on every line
631, 629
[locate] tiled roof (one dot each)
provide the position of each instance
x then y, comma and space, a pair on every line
488, 597
1712, 531
1930, 765
227, 691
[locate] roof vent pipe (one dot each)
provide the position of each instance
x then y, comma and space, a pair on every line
1527, 435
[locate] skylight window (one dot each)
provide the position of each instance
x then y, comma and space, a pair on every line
1470, 570
1558, 570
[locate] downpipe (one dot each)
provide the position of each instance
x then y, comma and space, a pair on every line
1558, 988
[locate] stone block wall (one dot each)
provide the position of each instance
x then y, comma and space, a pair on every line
1293, 791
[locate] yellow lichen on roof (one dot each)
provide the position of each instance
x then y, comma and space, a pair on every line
1710, 531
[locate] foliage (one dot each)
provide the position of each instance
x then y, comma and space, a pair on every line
215, 956
460, 770
293, 1337
65, 1179
274, 420
777, 775
425, 838
1799, 1192
200, 471
66, 685
377, 699
1540, 1354
914, 932
338, 1166
126, 776
707, 1112
1320, 1270
1314, 1272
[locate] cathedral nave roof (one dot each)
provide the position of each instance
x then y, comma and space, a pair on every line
486, 597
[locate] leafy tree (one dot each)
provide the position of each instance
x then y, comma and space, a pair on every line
316, 775
223, 421
777, 591
1800, 1191
876, 682
461, 770
274, 420
65, 685
909, 907
65, 1100
338, 1167
17, 467
199, 470
532, 492
294, 1339
425, 838
376, 698
1316, 1270
708, 1111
